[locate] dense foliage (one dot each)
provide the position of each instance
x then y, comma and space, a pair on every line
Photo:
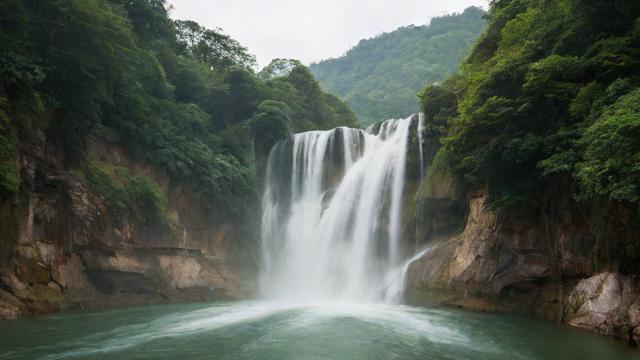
380, 76
551, 89
179, 96
126, 194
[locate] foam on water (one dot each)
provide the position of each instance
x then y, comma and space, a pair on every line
276, 330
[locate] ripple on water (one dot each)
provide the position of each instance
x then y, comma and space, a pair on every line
275, 330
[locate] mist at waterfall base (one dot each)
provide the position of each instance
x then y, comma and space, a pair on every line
263, 330
334, 262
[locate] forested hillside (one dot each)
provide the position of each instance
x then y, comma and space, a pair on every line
551, 89
178, 96
380, 76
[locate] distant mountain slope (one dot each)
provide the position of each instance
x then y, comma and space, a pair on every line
380, 77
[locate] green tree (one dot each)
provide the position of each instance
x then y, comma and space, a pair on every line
541, 96
175, 95
278, 68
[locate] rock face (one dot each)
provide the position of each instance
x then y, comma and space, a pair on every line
608, 303
559, 260
59, 248
486, 261
546, 265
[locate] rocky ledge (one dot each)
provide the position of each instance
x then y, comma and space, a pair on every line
92, 279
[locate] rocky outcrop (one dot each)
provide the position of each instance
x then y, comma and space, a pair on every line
608, 303
545, 265
487, 266
60, 248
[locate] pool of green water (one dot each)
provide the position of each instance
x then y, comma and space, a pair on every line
272, 330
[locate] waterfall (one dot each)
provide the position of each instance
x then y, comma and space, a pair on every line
332, 206
421, 129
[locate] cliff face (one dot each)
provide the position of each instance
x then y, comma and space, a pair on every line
559, 166
558, 261
61, 249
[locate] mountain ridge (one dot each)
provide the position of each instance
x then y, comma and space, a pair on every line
380, 76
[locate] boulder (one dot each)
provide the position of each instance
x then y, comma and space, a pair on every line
607, 303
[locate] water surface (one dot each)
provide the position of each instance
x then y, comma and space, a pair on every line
272, 330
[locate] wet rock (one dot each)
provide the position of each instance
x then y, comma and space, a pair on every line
10, 306
29, 266
183, 272
72, 274
634, 323
43, 299
606, 303
487, 258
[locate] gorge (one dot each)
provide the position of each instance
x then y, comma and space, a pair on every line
161, 197
334, 263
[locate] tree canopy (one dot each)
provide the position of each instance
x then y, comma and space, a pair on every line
550, 89
180, 97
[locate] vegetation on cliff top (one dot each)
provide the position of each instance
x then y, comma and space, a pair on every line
552, 88
380, 76
127, 194
180, 97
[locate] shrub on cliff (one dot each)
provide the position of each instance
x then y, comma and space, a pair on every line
611, 162
124, 194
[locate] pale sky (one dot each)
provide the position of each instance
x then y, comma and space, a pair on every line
310, 30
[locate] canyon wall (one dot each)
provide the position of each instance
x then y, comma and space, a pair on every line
555, 259
60, 247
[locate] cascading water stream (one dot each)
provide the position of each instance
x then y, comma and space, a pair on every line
331, 226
